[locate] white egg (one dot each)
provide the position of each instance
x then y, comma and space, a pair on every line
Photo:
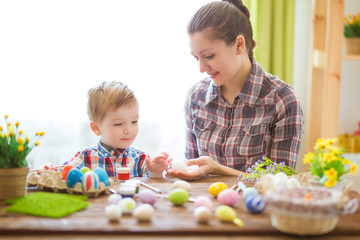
280, 183
178, 165
144, 212
127, 205
281, 175
202, 214
113, 212
182, 184
293, 183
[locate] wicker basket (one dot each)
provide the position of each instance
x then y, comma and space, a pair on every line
307, 210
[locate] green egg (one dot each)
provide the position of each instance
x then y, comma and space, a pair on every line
178, 196
225, 213
84, 169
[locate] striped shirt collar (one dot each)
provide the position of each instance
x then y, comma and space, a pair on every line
105, 151
250, 91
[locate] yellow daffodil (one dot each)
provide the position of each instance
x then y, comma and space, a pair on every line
20, 148
20, 140
37, 143
17, 124
331, 173
21, 132
330, 183
11, 133
308, 158
354, 167
6, 116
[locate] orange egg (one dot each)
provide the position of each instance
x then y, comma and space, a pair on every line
66, 170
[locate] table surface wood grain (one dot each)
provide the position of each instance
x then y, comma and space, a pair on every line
169, 221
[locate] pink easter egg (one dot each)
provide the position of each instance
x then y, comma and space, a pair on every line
228, 197
204, 201
90, 181
147, 196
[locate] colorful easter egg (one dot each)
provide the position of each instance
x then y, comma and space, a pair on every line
114, 199
204, 201
182, 184
74, 176
127, 205
249, 191
225, 213
144, 212
66, 170
147, 196
84, 169
90, 181
255, 203
202, 214
113, 212
228, 197
178, 196
216, 188
103, 176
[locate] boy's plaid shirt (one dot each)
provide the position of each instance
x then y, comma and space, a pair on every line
265, 119
103, 156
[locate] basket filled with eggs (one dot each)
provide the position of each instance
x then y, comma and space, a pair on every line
307, 210
71, 180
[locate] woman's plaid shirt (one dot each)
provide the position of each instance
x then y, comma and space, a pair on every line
265, 119
103, 156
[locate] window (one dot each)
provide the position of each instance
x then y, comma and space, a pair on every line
52, 52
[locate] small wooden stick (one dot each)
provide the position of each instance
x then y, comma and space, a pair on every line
166, 196
150, 187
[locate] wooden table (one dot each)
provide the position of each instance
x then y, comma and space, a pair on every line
169, 222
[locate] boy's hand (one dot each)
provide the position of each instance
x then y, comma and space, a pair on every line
158, 164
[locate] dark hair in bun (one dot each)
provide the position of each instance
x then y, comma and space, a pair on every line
224, 20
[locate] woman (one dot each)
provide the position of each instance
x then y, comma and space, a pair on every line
240, 112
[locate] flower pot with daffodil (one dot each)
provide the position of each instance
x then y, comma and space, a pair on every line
327, 163
14, 148
352, 33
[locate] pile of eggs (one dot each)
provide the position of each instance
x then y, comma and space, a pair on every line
85, 180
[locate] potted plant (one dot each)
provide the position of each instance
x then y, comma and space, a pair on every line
14, 148
352, 33
327, 163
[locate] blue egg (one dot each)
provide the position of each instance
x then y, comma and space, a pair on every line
255, 203
103, 176
74, 176
249, 191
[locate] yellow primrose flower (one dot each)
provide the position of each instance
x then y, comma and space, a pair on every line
321, 144
11, 133
331, 173
330, 183
21, 132
0, 128
354, 167
42, 133
329, 157
6, 116
20, 148
17, 124
37, 143
308, 158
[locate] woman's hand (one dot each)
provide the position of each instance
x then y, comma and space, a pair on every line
201, 166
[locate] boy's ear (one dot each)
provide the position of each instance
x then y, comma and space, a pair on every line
240, 44
95, 128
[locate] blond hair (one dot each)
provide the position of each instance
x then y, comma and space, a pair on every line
108, 96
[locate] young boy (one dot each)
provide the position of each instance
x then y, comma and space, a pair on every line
114, 112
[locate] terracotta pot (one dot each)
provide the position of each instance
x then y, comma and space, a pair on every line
352, 46
13, 182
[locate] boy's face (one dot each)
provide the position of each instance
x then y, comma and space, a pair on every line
119, 128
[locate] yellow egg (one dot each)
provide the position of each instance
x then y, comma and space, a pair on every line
216, 188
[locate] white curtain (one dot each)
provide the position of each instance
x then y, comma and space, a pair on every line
52, 52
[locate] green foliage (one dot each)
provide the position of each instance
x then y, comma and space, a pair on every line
352, 26
13, 147
266, 166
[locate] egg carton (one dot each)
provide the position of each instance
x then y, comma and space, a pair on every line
48, 180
